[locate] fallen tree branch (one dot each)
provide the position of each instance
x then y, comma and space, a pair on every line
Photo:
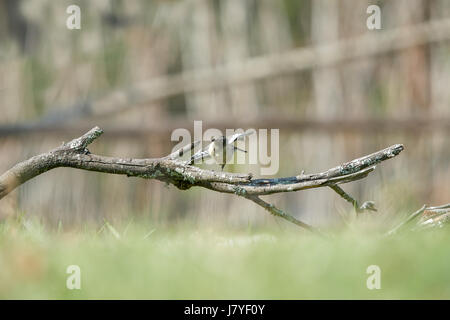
172, 170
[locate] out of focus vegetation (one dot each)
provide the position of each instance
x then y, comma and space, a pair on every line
139, 261
160, 242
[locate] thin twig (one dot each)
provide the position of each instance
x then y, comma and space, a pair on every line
368, 205
346, 196
280, 213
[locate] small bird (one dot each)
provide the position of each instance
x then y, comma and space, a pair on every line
221, 149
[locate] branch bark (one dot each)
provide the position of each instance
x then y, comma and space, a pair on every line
172, 170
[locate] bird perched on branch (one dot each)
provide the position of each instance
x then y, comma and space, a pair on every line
221, 149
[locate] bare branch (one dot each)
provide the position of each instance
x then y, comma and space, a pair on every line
444, 208
75, 154
350, 171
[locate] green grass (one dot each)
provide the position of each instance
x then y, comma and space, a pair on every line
139, 262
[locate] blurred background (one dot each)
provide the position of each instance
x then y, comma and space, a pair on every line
140, 69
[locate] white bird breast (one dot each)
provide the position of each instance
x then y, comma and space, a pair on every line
220, 154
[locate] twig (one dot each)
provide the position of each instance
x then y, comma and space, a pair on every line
368, 205
443, 207
280, 213
406, 221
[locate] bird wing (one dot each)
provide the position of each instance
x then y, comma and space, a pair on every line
238, 136
203, 154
